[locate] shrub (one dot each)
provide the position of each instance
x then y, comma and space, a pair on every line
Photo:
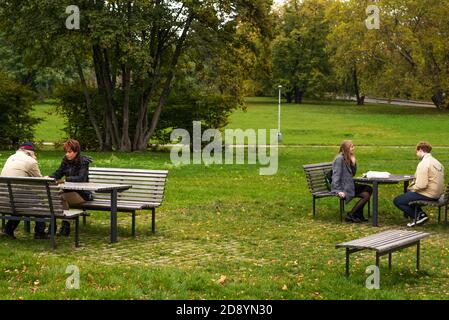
17, 123
180, 111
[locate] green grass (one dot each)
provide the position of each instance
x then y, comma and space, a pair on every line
51, 128
226, 220
330, 123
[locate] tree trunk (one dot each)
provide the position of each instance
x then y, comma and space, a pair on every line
92, 118
439, 99
125, 144
288, 96
355, 81
107, 142
166, 89
298, 96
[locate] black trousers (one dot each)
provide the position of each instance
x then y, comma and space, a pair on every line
11, 226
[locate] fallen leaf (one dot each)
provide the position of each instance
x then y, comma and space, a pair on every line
221, 280
285, 288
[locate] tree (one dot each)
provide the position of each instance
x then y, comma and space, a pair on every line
300, 61
134, 47
407, 57
17, 124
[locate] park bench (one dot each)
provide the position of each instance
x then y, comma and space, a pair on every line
385, 243
147, 192
35, 199
443, 201
319, 186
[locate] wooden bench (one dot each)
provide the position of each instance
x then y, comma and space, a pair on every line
318, 186
147, 192
440, 203
35, 199
385, 243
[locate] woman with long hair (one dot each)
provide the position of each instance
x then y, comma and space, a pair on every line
344, 169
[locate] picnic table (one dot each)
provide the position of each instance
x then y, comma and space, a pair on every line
113, 189
393, 179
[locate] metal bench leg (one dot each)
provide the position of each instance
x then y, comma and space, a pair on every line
445, 214
84, 214
314, 206
27, 226
377, 260
77, 232
342, 209
369, 208
153, 222
133, 226
418, 254
3, 222
439, 214
53, 233
347, 263
390, 260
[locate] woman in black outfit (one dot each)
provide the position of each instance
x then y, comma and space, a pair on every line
344, 169
75, 168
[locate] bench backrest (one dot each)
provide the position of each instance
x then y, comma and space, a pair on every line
30, 197
147, 185
316, 176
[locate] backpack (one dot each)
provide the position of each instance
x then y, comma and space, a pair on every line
328, 179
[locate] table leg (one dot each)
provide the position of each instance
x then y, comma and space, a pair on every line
406, 184
347, 263
375, 202
113, 216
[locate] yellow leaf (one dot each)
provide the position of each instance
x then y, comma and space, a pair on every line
222, 280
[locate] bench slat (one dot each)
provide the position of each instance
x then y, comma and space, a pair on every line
385, 241
107, 170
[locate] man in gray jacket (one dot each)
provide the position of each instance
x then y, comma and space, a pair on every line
23, 164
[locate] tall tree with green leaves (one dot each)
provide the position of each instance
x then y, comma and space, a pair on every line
134, 47
408, 56
300, 61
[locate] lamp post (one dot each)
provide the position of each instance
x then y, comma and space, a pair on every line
279, 136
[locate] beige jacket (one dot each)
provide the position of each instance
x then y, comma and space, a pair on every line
21, 165
429, 178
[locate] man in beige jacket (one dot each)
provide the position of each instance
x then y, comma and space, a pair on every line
428, 184
23, 164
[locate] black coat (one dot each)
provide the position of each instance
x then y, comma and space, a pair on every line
76, 170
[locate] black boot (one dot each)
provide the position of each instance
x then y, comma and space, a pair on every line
65, 228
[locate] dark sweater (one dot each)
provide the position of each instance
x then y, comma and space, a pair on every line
76, 170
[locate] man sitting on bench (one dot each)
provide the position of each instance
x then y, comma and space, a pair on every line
427, 186
23, 164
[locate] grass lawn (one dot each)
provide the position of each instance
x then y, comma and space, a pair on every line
51, 128
255, 233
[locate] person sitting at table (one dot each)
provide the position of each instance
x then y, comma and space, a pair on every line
428, 185
23, 164
344, 169
75, 168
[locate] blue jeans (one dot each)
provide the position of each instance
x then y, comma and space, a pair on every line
402, 202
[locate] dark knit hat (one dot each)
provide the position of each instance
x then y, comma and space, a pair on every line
27, 146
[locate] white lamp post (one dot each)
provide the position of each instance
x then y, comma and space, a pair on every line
279, 136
